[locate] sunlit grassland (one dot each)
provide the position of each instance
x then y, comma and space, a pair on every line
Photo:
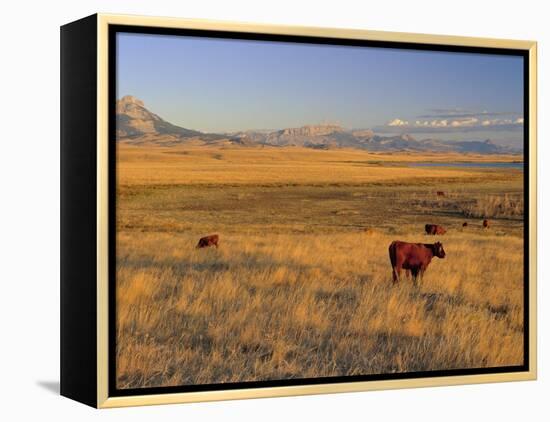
271, 165
301, 283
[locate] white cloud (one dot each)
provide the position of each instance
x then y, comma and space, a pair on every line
442, 123
464, 122
457, 123
398, 122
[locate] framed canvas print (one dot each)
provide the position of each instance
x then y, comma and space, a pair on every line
258, 211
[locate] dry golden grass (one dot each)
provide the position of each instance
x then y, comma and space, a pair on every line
301, 284
291, 306
493, 206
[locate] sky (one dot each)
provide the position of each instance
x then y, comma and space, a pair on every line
224, 85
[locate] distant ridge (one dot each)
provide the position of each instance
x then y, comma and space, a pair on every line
139, 126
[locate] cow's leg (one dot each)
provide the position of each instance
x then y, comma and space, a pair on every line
414, 272
396, 274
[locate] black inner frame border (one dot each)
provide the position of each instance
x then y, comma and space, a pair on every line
113, 391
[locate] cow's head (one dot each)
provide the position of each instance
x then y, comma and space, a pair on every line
438, 250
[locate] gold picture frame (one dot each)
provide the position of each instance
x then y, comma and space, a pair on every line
97, 34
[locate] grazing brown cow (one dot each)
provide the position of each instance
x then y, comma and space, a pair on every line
413, 257
465, 224
206, 241
440, 193
486, 224
434, 229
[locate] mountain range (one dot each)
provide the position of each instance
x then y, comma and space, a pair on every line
139, 126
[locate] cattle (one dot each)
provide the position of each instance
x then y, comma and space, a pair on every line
465, 224
440, 193
486, 224
434, 229
413, 257
210, 240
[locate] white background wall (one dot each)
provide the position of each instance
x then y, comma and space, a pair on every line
29, 239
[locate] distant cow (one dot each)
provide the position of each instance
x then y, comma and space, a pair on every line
206, 241
486, 224
413, 257
465, 224
434, 229
440, 193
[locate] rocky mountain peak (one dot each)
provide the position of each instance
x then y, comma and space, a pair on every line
134, 120
133, 107
312, 130
130, 99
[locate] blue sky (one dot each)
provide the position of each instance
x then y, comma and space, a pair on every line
228, 85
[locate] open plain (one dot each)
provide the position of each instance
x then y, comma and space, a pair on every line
301, 285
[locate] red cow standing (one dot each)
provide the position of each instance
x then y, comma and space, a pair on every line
413, 257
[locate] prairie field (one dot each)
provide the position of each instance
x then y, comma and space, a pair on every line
301, 285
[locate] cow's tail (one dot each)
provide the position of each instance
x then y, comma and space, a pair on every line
391, 250
393, 259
